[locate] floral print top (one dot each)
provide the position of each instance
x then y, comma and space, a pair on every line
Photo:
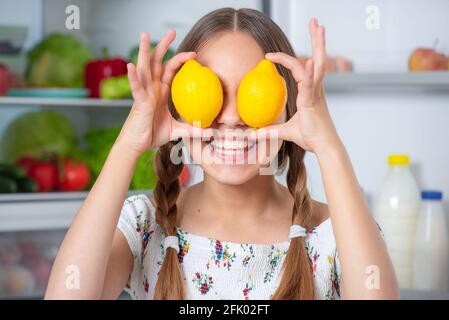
215, 269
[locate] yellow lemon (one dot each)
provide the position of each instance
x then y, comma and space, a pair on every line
262, 95
197, 94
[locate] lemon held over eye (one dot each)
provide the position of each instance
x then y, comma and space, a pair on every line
197, 94
262, 95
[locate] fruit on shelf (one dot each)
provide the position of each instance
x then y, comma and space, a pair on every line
98, 145
427, 59
25, 162
45, 174
197, 94
262, 95
100, 69
115, 88
75, 176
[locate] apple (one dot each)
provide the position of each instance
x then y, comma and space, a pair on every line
427, 59
5, 79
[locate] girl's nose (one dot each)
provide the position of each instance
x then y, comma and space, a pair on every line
229, 116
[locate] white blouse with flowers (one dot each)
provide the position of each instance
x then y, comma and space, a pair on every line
215, 269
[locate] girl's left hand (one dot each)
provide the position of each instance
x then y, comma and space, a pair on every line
311, 127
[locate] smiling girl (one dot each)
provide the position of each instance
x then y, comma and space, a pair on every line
237, 234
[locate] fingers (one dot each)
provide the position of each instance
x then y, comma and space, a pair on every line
137, 89
276, 131
159, 53
186, 130
317, 34
173, 64
143, 60
289, 62
306, 88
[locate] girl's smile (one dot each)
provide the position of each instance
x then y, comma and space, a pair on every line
232, 151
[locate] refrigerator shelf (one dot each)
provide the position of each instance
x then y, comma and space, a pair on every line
407, 81
334, 82
41, 211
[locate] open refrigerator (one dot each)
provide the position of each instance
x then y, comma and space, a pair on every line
32, 225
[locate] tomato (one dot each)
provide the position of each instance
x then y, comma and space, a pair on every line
75, 176
184, 177
45, 174
25, 162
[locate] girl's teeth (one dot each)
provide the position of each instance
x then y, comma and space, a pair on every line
229, 144
232, 147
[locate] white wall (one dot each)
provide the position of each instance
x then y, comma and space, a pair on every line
372, 125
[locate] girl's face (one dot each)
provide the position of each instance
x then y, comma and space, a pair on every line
229, 158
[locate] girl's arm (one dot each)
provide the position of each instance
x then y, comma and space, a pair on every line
87, 245
367, 272
90, 254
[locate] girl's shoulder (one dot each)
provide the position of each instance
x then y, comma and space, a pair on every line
322, 230
139, 210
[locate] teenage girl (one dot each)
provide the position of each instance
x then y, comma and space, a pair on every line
237, 234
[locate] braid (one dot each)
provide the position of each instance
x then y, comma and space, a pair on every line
170, 283
297, 280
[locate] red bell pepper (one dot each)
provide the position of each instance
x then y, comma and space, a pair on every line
99, 69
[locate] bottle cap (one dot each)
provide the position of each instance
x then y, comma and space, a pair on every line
431, 195
398, 160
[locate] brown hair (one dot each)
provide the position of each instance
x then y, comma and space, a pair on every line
297, 279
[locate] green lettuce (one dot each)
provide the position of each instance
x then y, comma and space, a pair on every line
37, 134
57, 61
98, 145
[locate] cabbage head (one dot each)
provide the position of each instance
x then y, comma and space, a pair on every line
57, 61
37, 134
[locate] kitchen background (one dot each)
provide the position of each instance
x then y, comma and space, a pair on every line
379, 107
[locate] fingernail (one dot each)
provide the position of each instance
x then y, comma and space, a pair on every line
269, 55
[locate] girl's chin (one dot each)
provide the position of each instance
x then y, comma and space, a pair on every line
231, 174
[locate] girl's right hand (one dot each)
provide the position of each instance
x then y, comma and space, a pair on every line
149, 123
